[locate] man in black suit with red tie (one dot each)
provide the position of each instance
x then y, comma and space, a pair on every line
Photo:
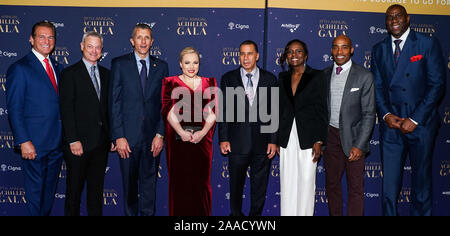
243, 142
84, 105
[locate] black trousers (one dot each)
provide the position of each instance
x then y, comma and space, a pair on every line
259, 178
89, 168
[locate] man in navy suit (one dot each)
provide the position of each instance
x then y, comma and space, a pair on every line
33, 107
136, 123
409, 73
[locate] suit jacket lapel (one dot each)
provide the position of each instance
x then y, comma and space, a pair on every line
328, 72
104, 87
405, 56
151, 81
352, 76
41, 73
134, 72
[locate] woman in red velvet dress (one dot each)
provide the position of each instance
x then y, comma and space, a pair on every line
189, 127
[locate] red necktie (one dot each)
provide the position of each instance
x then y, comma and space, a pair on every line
50, 74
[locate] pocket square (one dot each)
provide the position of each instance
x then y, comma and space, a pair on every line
354, 90
416, 58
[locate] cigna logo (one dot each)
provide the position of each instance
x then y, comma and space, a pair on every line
6, 168
237, 26
377, 30
7, 54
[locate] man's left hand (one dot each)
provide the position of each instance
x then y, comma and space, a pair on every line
408, 126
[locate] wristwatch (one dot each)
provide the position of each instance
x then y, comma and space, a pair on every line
159, 136
319, 142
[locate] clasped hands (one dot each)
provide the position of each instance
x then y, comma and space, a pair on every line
405, 125
190, 136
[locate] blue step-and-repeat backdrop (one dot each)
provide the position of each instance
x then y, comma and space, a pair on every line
216, 30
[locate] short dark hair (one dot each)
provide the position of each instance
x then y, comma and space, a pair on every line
284, 56
43, 23
141, 26
249, 42
397, 6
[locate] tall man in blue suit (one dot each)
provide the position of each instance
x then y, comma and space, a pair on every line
33, 107
409, 76
136, 122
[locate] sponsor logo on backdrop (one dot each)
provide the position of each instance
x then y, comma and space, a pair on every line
6, 140
446, 193
374, 142
9, 168
155, 51
377, 30
446, 118
63, 171
332, 28
279, 52
327, 58
58, 24
230, 56
321, 195
275, 172
445, 168
110, 197
12, 195
405, 195
3, 111
424, 28
3, 82
225, 173
237, 26
61, 55
373, 170
8, 54
9, 24
104, 55
367, 58
192, 26
291, 27
372, 195
99, 24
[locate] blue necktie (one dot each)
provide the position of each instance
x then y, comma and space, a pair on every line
143, 75
398, 51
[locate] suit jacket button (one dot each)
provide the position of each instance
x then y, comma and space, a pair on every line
406, 104
404, 90
407, 74
100, 123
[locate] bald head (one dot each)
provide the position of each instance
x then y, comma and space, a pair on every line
342, 49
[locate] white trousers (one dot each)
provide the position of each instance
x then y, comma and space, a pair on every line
297, 178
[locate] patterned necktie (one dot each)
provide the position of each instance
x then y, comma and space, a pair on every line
50, 74
95, 82
398, 51
250, 93
143, 75
338, 70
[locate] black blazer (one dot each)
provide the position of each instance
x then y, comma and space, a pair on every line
308, 107
84, 117
246, 137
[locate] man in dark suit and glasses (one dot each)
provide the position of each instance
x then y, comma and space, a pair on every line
243, 142
136, 122
84, 111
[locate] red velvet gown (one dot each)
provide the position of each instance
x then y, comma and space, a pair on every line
189, 165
